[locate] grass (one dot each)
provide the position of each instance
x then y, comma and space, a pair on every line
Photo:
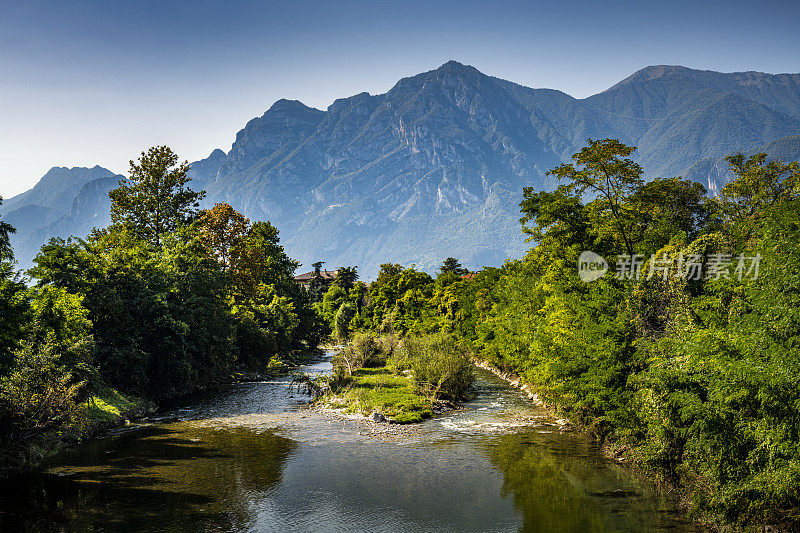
110, 404
378, 389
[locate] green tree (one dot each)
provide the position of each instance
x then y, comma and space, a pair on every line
318, 285
342, 320
451, 265
6, 252
154, 200
603, 168
759, 185
14, 303
333, 299
346, 277
666, 207
223, 230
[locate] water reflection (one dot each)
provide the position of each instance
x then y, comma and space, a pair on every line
560, 483
156, 478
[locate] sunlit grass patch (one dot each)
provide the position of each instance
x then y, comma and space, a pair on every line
110, 404
378, 389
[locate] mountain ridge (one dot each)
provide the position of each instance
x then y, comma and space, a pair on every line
435, 166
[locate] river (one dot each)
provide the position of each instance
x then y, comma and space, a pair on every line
254, 457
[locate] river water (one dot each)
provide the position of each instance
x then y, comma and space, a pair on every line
254, 457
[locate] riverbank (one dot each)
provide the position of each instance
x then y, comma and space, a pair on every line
620, 453
109, 409
515, 381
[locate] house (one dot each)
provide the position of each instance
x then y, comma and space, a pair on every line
305, 279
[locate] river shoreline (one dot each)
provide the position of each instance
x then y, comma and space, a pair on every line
616, 453
84, 432
255, 455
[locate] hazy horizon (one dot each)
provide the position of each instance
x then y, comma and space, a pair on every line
94, 84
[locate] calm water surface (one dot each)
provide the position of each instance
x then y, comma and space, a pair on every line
252, 457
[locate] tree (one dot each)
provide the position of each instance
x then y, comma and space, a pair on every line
260, 259
559, 215
318, 286
603, 168
6, 252
342, 320
666, 207
223, 230
452, 265
154, 199
13, 301
346, 277
759, 185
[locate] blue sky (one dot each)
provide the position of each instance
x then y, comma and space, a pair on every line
87, 83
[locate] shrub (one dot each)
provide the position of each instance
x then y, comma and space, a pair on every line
37, 398
366, 351
440, 365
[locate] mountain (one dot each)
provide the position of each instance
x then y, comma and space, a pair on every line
65, 202
676, 115
435, 166
55, 191
714, 172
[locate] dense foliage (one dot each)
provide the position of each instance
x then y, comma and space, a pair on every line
164, 301
684, 357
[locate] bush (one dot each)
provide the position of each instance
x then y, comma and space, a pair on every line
390, 344
37, 399
440, 365
366, 351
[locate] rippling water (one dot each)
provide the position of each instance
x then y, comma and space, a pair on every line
253, 457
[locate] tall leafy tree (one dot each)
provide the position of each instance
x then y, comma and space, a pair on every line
666, 207
759, 185
155, 199
346, 277
604, 169
6, 253
13, 302
223, 230
318, 285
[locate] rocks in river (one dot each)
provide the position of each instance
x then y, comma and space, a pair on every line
378, 417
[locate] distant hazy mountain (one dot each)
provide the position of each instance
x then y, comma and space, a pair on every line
676, 115
55, 191
435, 167
65, 202
714, 172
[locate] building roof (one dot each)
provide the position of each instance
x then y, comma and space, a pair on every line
325, 274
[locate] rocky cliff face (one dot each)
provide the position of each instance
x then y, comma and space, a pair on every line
435, 167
